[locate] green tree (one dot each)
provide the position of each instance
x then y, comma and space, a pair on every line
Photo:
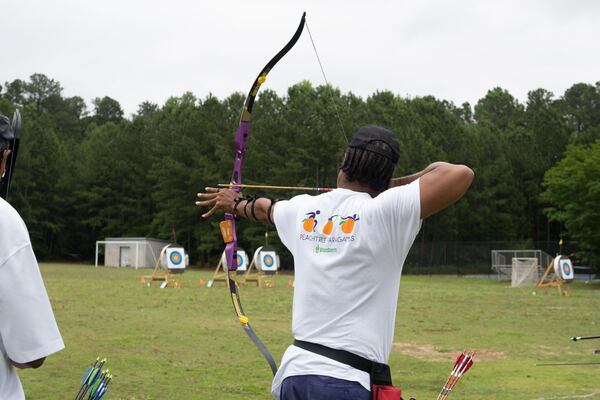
580, 107
499, 108
106, 110
572, 191
37, 192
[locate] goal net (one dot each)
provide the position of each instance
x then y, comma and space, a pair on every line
502, 261
524, 271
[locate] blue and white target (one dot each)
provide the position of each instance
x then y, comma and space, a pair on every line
564, 268
241, 261
175, 258
268, 261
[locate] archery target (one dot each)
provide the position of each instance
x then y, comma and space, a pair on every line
176, 258
268, 261
564, 268
241, 260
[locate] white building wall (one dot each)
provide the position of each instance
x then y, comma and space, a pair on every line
147, 251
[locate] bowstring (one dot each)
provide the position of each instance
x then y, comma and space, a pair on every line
335, 107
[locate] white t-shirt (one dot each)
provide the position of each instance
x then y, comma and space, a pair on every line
28, 330
348, 251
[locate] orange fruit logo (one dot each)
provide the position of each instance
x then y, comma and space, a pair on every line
310, 222
348, 223
328, 228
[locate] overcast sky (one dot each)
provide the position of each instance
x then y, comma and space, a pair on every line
150, 50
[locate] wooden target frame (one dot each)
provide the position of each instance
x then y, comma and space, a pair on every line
162, 274
256, 274
220, 274
552, 277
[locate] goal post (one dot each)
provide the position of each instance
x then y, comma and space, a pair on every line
524, 272
502, 261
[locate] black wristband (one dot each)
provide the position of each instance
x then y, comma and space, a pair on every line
246, 211
271, 209
237, 202
253, 206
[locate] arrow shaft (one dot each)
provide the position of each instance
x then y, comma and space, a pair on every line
272, 187
568, 363
576, 338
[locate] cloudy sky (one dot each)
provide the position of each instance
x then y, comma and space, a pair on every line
133, 50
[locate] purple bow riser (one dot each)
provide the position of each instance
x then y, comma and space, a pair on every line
241, 140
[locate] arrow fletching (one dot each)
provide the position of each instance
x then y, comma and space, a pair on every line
459, 360
468, 364
463, 363
94, 382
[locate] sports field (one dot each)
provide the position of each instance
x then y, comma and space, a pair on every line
186, 344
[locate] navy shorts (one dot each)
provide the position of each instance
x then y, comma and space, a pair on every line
319, 387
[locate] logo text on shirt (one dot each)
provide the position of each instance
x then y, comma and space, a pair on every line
320, 249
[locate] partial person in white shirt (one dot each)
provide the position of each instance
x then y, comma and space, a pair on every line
349, 247
28, 330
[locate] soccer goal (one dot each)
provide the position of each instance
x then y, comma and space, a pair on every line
525, 272
502, 260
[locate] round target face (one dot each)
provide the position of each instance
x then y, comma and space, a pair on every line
239, 260
563, 267
566, 267
268, 261
176, 258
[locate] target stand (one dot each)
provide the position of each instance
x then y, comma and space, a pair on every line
171, 275
559, 272
220, 274
263, 267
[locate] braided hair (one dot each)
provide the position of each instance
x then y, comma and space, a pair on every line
368, 167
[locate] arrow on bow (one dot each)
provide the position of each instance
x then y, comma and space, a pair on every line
271, 187
228, 225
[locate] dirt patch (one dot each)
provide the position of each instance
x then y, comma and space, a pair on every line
430, 352
554, 351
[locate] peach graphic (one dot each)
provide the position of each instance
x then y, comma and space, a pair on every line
310, 223
348, 223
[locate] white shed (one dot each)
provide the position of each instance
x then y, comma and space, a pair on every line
137, 252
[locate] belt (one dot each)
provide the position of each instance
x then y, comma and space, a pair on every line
380, 373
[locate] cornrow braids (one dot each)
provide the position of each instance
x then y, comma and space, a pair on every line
368, 168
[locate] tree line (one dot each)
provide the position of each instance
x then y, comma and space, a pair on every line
84, 175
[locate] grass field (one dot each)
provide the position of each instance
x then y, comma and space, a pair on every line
186, 344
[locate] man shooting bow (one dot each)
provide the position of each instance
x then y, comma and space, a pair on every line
349, 246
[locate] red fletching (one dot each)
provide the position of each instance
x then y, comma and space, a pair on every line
463, 363
470, 363
458, 360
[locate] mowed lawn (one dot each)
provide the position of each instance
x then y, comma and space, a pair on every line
186, 343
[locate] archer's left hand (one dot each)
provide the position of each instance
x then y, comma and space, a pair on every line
219, 199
